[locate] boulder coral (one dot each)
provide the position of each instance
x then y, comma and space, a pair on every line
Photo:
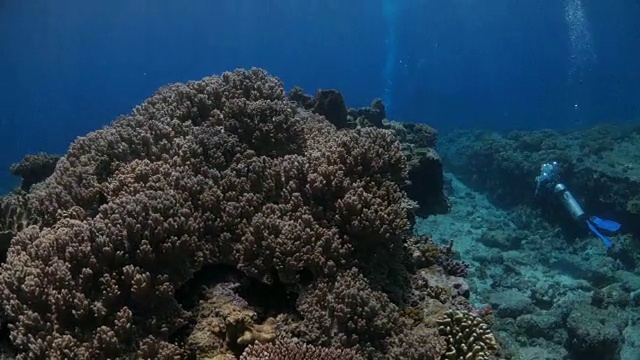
467, 336
222, 171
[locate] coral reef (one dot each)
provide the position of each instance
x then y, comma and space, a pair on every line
296, 351
34, 168
419, 143
330, 104
420, 136
594, 333
425, 181
424, 187
15, 216
373, 115
225, 323
347, 306
227, 173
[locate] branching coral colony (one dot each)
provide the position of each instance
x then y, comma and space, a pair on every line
218, 216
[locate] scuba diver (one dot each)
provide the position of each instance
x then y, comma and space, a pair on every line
548, 181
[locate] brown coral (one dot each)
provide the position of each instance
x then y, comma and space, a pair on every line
15, 216
225, 323
34, 168
346, 312
419, 343
219, 171
282, 350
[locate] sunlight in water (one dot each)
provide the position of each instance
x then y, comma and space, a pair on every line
390, 9
581, 52
581, 46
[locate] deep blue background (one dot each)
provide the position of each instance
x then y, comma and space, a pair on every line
502, 63
68, 67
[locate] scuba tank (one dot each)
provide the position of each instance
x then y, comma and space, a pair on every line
570, 203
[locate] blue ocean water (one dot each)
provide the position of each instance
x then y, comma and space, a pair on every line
70, 67
465, 71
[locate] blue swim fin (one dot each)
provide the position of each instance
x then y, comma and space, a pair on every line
604, 239
603, 224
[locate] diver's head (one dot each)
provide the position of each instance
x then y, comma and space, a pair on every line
548, 177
